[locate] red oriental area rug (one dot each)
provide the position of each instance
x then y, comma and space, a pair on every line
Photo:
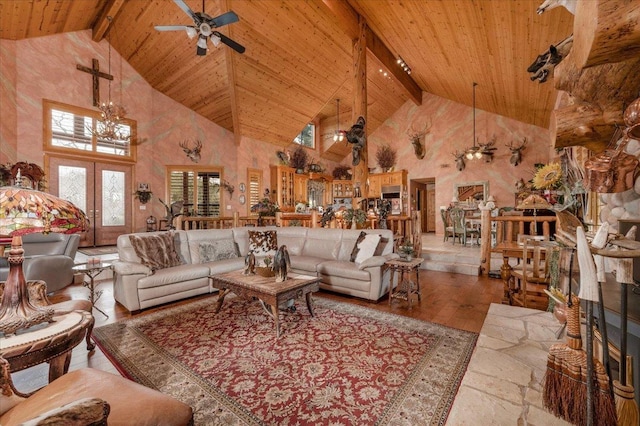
348, 365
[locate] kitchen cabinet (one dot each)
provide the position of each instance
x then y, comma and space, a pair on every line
283, 187
300, 188
378, 180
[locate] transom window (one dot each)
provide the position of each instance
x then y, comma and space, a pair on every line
71, 128
307, 136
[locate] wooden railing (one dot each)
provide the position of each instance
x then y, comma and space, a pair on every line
401, 226
509, 227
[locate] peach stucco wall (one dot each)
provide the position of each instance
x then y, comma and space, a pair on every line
452, 129
8, 117
45, 68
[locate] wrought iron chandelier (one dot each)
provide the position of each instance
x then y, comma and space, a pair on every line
110, 125
475, 151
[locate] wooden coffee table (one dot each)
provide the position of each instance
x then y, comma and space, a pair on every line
269, 292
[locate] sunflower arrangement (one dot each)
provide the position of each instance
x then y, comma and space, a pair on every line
548, 177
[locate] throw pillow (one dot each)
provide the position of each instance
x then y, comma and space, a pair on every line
156, 251
263, 243
366, 247
354, 251
220, 250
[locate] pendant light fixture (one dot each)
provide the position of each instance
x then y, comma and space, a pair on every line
338, 135
475, 151
112, 114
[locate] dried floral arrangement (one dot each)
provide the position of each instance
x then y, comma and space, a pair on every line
341, 172
299, 158
386, 157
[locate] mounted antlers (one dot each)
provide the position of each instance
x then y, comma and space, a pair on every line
417, 139
516, 151
193, 154
459, 160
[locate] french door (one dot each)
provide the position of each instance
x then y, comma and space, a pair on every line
102, 190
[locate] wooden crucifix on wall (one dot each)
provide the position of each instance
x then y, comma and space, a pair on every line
95, 72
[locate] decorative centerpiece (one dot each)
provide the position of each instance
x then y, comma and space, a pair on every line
265, 207
264, 268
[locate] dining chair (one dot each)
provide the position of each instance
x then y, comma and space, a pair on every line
448, 227
532, 276
459, 225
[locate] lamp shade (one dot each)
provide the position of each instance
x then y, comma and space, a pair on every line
26, 211
534, 201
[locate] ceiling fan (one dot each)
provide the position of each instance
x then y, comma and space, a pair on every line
204, 28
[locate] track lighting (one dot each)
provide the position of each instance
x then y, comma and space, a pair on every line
405, 67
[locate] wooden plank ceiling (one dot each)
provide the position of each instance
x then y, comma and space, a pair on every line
298, 56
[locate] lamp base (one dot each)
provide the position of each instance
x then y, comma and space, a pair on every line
16, 311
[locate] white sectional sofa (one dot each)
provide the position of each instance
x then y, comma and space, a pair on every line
325, 252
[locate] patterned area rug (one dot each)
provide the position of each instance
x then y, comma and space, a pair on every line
347, 365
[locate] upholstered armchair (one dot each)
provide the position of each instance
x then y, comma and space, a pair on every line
89, 397
49, 258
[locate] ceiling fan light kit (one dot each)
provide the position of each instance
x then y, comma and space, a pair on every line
338, 135
204, 28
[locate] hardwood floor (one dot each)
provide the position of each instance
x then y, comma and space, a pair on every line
454, 300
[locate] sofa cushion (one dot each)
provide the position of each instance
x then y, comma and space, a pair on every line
226, 265
263, 243
171, 276
322, 243
293, 238
306, 263
156, 251
365, 247
220, 250
338, 268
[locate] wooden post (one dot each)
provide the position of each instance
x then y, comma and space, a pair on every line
361, 171
485, 229
236, 219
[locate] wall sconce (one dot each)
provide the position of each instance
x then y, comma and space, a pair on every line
143, 193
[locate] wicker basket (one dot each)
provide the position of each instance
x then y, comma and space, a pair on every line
265, 271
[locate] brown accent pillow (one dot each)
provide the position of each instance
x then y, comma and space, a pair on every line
381, 245
156, 251
263, 243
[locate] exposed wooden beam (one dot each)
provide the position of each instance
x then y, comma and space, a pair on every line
388, 59
348, 20
101, 25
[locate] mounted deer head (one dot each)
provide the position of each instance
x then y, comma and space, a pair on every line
417, 139
516, 151
459, 160
193, 154
487, 149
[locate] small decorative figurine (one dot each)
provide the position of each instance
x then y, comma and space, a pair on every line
250, 264
281, 264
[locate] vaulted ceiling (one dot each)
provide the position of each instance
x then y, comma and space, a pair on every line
298, 57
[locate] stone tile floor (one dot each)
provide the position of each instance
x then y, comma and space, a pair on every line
503, 383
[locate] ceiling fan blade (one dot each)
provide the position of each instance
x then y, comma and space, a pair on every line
182, 5
171, 27
231, 43
224, 19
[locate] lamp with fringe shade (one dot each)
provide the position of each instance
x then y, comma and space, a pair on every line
25, 211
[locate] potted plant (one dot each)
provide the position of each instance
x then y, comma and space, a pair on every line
299, 159
357, 217
406, 250
386, 157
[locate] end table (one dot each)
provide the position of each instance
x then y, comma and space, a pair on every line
406, 287
92, 270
